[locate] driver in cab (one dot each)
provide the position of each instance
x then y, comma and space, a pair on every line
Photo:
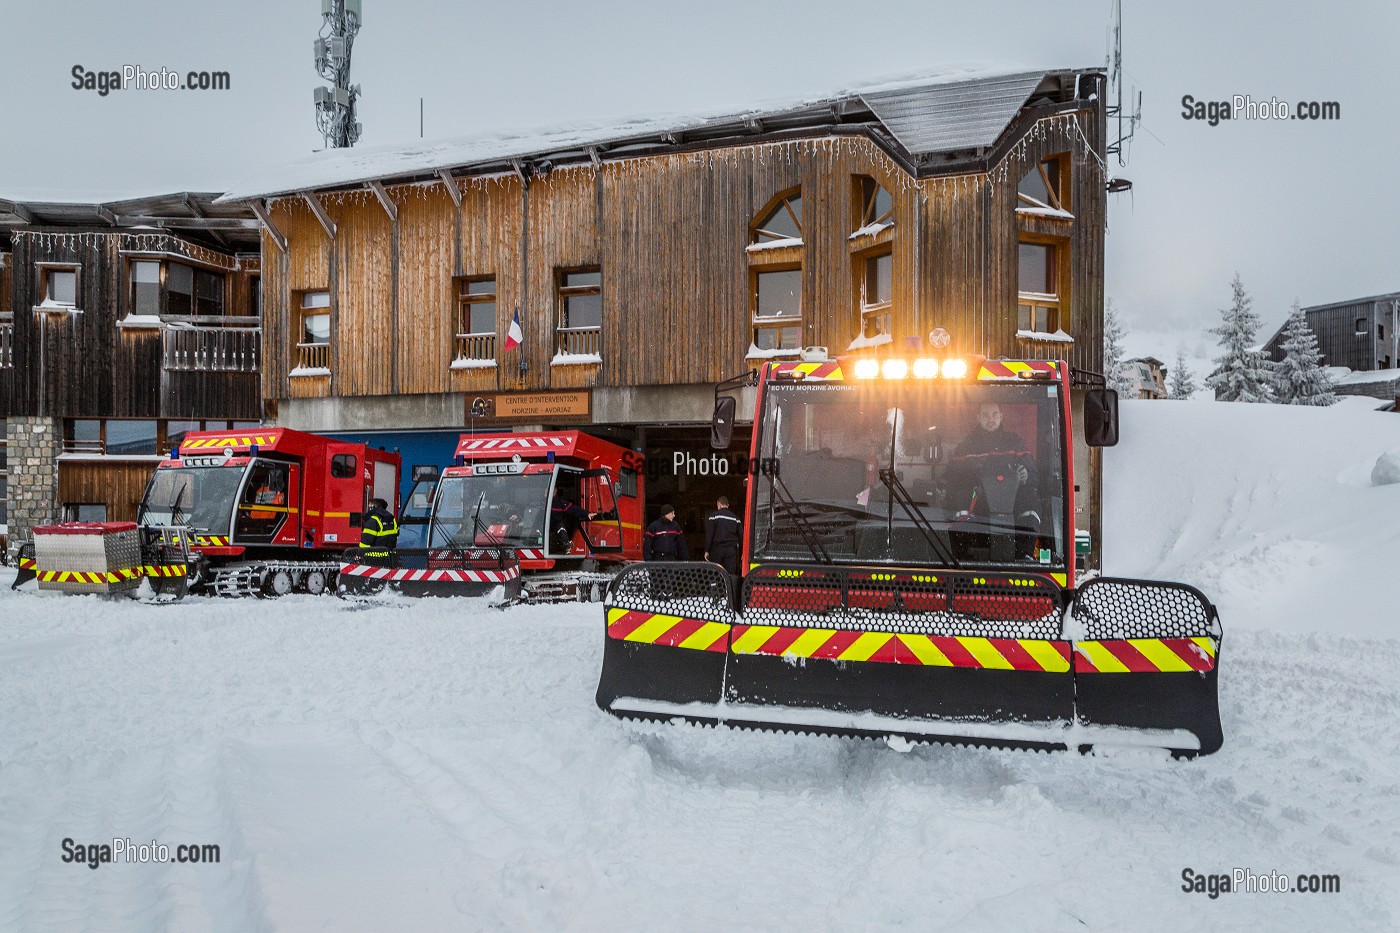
988, 464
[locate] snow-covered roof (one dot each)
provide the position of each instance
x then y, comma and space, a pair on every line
956, 109
1376, 375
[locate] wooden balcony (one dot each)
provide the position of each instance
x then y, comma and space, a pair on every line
575, 341
473, 347
313, 357
212, 349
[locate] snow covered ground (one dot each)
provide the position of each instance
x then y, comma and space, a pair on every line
436, 765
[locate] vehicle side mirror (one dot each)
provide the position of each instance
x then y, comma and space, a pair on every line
1101, 418
722, 424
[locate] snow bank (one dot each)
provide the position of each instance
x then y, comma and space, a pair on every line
1267, 508
1387, 469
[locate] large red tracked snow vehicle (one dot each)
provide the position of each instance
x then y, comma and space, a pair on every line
908, 576
265, 512
500, 518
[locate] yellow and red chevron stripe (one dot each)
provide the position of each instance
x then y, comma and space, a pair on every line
1009, 654
1010, 369
654, 628
245, 440
89, 576
211, 540
165, 570
1145, 655
27, 563
828, 370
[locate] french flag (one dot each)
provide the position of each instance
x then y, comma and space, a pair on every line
515, 336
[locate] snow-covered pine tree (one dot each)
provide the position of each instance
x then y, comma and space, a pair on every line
1113, 350
1300, 379
1243, 373
1183, 380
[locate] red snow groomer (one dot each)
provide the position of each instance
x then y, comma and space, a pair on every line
263, 512
546, 515
910, 571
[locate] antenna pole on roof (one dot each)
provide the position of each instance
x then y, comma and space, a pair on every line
335, 105
1115, 89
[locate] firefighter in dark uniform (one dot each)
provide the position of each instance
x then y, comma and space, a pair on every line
664, 538
379, 535
568, 519
723, 533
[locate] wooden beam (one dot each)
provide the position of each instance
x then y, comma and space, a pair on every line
260, 208
193, 207
105, 215
451, 184
187, 223
319, 210
19, 210
520, 170
385, 201
595, 157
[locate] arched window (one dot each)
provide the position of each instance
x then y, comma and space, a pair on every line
775, 276
782, 223
876, 204
1044, 187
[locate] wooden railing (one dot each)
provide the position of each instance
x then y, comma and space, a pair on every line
7, 345
577, 340
71, 446
212, 349
476, 347
313, 356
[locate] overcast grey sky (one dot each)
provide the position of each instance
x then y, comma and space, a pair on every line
1306, 210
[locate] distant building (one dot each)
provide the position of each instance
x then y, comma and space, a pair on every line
1361, 334
1146, 375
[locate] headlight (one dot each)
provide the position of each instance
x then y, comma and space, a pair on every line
896, 369
867, 369
925, 369
955, 369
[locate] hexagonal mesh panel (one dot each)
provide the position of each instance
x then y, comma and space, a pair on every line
1111, 608
925, 603
694, 590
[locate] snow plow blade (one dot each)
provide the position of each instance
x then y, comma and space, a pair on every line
957, 657
432, 572
667, 636
26, 569
1148, 658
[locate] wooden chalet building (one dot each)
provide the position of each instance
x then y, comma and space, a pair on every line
122, 326
1362, 334
648, 261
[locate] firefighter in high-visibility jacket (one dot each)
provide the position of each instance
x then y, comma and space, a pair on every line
379, 534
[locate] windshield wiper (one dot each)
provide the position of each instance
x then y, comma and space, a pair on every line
809, 534
911, 508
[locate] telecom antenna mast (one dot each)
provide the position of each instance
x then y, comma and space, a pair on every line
335, 105
1127, 122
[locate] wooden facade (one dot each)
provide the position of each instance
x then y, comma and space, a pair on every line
77, 357
87, 362
669, 234
118, 485
1361, 334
